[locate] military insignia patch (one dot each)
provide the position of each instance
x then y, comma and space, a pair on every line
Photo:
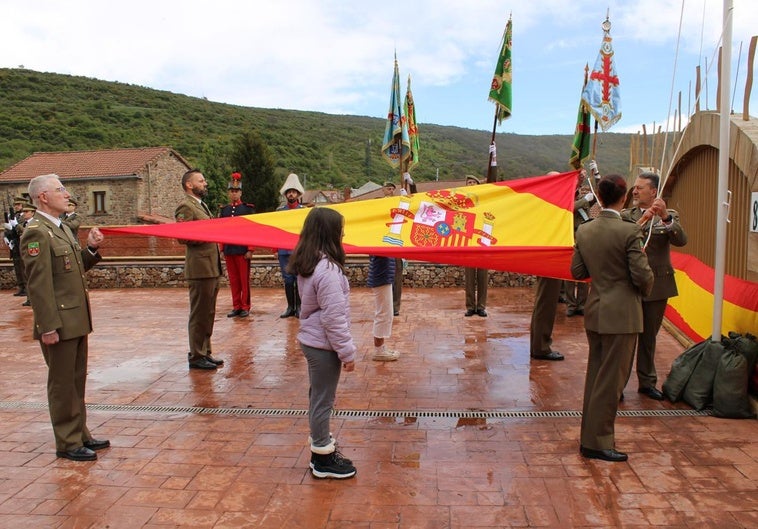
32, 249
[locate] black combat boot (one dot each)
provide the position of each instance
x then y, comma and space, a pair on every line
289, 291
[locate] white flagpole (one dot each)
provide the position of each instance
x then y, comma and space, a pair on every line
722, 209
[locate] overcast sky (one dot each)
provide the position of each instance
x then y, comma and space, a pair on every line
336, 56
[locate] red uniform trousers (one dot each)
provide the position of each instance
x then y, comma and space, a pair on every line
238, 269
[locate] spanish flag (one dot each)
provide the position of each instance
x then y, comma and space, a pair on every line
692, 310
523, 226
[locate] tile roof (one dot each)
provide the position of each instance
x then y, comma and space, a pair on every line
85, 164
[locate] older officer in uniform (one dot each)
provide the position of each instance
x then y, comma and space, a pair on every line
237, 257
202, 269
609, 251
55, 267
650, 209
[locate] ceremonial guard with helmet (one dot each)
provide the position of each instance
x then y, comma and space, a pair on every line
237, 257
292, 191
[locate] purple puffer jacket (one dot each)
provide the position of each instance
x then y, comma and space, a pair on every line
325, 311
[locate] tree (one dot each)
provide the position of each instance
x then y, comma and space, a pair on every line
251, 157
214, 163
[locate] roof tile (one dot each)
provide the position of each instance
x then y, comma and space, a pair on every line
85, 164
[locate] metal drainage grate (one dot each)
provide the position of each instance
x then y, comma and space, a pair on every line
281, 412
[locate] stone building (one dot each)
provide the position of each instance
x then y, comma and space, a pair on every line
112, 187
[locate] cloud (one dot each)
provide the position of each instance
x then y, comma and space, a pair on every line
336, 56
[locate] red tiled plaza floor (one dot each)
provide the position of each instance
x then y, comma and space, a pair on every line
424, 461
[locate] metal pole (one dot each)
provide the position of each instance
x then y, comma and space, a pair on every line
492, 173
722, 207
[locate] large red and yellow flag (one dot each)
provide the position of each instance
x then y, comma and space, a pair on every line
692, 310
523, 226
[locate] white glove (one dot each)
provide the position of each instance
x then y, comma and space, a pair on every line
589, 197
13, 222
593, 168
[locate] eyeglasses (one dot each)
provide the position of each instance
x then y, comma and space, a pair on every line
61, 189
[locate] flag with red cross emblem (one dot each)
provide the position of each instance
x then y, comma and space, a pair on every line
601, 93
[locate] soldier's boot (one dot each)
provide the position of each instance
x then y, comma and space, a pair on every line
297, 300
289, 292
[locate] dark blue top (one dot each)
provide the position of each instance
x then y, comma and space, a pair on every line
236, 211
381, 271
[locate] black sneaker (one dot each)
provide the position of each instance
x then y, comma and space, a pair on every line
332, 466
336, 451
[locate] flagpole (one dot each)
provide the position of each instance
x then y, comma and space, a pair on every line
722, 208
492, 175
594, 142
400, 154
500, 94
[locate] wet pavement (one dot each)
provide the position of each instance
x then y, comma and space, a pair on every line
463, 431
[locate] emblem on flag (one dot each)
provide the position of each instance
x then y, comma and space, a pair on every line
601, 93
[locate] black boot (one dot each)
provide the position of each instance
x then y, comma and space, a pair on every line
297, 300
289, 291
327, 462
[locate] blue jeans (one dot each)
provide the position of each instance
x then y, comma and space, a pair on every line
284, 259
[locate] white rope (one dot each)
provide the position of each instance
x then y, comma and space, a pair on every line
679, 144
671, 93
664, 179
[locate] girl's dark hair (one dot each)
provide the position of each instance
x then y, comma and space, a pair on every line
610, 189
321, 235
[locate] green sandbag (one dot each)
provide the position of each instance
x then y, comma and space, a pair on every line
747, 346
681, 370
730, 398
698, 392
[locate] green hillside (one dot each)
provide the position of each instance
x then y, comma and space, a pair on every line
53, 112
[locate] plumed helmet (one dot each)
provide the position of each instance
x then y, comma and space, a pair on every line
235, 182
292, 182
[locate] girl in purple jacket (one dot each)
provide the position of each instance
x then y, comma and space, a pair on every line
318, 260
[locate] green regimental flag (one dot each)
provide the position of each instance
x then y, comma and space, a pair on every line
410, 116
580, 149
501, 88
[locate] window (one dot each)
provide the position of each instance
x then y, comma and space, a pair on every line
99, 202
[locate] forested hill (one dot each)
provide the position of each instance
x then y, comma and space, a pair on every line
54, 112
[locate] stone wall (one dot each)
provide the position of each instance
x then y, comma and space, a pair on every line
120, 200
159, 188
265, 274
